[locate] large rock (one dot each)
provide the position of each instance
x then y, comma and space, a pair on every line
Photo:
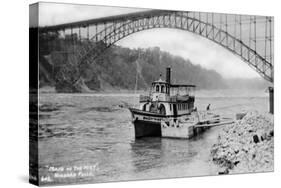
247, 145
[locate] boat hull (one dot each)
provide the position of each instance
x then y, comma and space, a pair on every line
146, 124
147, 129
178, 130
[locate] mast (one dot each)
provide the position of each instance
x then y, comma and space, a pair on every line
138, 72
136, 83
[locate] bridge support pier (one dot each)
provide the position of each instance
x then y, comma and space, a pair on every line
271, 100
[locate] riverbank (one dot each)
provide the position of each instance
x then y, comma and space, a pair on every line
49, 89
246, 146
218, 93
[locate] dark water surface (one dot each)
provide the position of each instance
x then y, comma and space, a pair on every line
94, 130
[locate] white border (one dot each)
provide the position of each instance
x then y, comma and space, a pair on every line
14, 90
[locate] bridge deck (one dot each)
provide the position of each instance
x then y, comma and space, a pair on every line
120, 17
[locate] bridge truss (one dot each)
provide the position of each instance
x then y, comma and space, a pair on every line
246, 36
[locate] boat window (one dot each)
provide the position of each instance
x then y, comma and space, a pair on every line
162, 89
144, 107
162, 109
157, 88
153, 108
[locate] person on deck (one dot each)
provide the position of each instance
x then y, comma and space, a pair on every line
208, 107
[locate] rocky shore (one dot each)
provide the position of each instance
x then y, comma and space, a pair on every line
246, 146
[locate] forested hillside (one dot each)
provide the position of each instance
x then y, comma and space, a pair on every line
121, 68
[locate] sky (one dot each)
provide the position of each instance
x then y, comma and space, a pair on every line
185, 44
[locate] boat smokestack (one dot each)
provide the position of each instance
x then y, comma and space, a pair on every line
168, 75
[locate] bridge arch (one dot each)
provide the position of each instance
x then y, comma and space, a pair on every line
175, 20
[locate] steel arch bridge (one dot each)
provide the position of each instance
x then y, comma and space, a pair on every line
248, 37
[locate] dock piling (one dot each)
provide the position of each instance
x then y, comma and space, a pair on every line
271, 100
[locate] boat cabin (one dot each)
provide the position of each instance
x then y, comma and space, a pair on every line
168, 99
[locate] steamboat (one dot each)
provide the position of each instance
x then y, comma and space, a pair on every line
168, 111
162, 111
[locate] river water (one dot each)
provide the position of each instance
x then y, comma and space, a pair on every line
88, 138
